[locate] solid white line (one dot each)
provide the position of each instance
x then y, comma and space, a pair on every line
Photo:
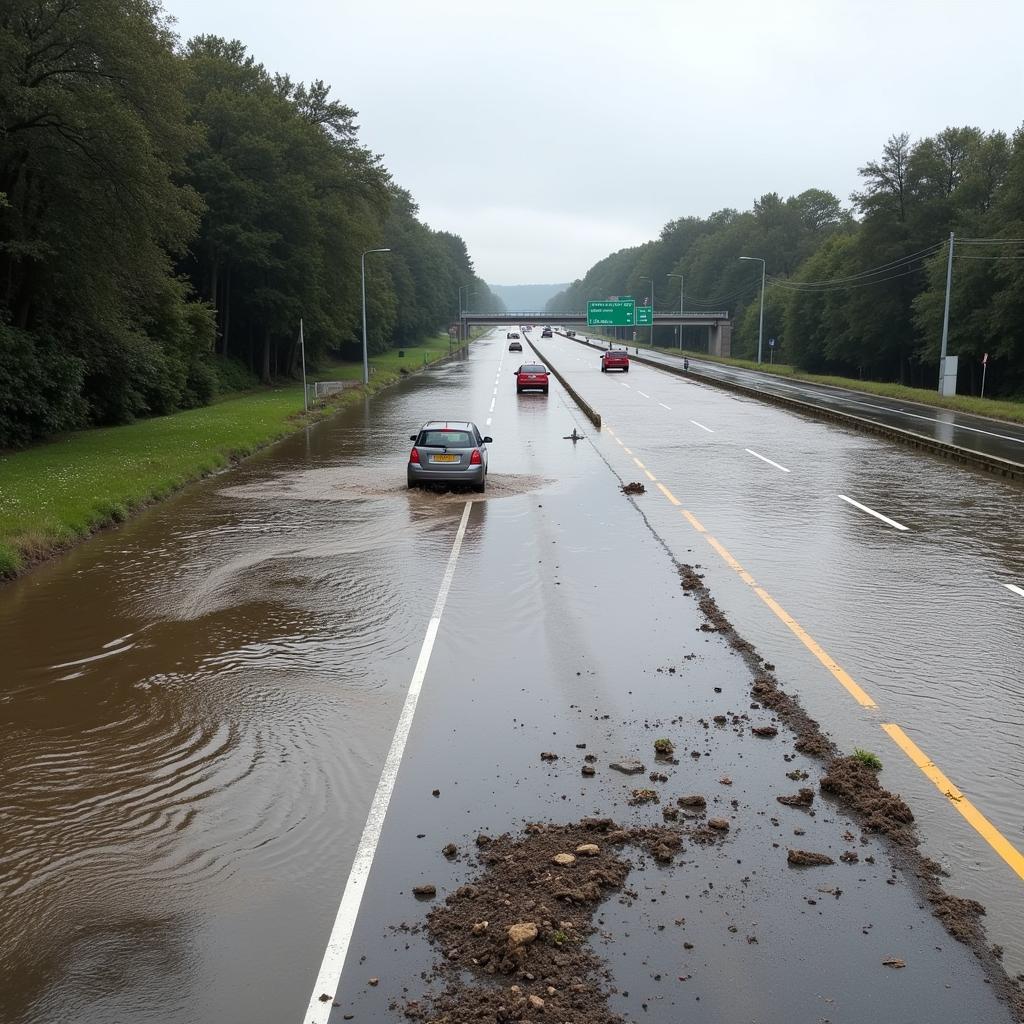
495, 391
1014, 588
872, 512
702, 427
664, 406
639, 392
624, 384
492, 406
763, 459
341, 934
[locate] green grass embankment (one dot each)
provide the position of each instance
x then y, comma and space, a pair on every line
1010, 410
56, 493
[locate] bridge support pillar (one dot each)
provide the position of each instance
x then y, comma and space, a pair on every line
720, 342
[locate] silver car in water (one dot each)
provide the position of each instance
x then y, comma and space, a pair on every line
449, 452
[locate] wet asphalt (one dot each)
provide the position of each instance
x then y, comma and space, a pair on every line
198, 704
975, 433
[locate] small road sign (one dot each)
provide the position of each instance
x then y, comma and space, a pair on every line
611, 313
644, 316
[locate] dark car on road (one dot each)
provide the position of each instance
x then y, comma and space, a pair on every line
570, 334
448, 452
511, 334
546, 333
615, 359
515, 346
531, 377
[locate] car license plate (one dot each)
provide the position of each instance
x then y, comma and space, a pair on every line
444, 458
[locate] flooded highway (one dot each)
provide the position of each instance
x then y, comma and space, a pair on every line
198, 706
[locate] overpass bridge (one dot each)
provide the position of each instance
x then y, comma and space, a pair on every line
718, 323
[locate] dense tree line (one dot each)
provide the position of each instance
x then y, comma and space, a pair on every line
859, 291
169, 212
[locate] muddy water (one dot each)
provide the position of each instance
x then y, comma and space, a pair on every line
192, 703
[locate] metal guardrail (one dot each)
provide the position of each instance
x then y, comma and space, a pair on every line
530, 316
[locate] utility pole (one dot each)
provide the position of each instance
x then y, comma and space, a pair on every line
945, 312
302, 349
760, 323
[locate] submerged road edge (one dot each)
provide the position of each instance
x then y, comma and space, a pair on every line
329, 977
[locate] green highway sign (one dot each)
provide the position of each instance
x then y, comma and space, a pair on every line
644, 316
611, 313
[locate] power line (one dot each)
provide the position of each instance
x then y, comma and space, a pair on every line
779, 282
863, 275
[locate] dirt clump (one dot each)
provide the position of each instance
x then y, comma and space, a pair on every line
802, 799
807, 859
765, 731
628, 766
532, 962
881, 811
643, 796
634, 488
693, 800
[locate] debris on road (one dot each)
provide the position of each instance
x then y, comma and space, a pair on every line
808, 859
533, 959
424, 892
628, 766
634, 488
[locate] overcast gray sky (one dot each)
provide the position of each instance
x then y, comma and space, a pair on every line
549, 134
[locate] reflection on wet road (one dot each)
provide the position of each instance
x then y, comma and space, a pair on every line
198, 704
978, 433
897, 563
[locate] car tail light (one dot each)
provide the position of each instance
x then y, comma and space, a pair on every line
414, 456
474, 459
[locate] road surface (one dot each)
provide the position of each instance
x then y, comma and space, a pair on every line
199, 706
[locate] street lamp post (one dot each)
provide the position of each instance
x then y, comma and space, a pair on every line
651, 279
462, 324
680, 276
760, 323
362, 278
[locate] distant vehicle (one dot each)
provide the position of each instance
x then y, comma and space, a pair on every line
515, 346
546, 333
570, 334
448, 451
512, 334
615, 359
531, 377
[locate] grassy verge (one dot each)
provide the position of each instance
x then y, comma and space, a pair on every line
1010, 410
59, 492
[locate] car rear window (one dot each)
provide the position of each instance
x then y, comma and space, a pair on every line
446, 439
532, 368
616, 355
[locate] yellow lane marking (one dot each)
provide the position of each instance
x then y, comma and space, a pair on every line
981, 824
619, 439
610, 431
694, 521
650, 475
731, 562
999, 843
638, 462
840, 674
628, 451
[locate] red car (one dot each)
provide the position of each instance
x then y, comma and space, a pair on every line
531, 377
615, 359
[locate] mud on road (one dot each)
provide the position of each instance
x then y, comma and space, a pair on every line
525, 937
